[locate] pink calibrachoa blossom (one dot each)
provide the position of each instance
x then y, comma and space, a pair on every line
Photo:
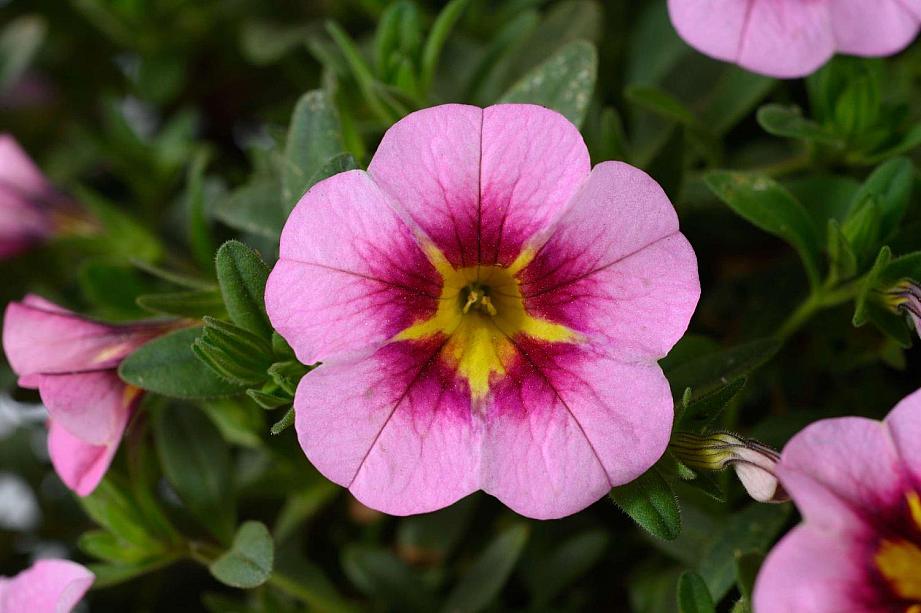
857, 483
72, 361
31, 209
793, 38
488, 311
48, 586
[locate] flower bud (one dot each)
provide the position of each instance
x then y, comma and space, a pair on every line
753, 462
905, 297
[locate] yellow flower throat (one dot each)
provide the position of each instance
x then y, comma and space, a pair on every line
480, 315
899, 561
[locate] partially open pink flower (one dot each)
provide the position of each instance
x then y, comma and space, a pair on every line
488, 312
857, 483
72, 361
48, 586
793, 38
26, 200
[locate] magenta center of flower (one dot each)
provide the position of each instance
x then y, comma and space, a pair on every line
898, 558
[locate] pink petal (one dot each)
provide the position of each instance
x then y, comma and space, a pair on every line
395, 427
351, 274
914, 6
787, 38
38, 339
904, 426
481, 183
881, 27
49, 586
567, 424
17, 170
533, 162
713, 27
91, 406
837, 465
811, 571
616, 268
80, 465
429, 163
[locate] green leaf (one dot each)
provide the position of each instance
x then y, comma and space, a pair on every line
747, 567
234, 353
767, 205
284, 423
650, 501
483, 581
711, 372
192, 303
386, 579
249, 561
333, 166
870, 282
168, 366
862, 229
108, 575
112, 287
703, 409
242, 275
751, 529
442, 27
255, 207
109, 547
113, 508
789, 122
196, 461
314, 137
693, 595
199, 232
303, 505
121, 235
656, 100
890, 186
564, 82
268, 401
842, 261
733, 97
572, 559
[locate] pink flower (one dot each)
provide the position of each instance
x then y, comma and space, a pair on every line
27, 200
49, 586
72, 361
792, 38
857, 483
488, 312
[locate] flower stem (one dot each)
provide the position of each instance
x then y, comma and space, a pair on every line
818, 300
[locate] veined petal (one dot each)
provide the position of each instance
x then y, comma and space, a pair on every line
395, 427
567, 424
350, 275
713, 27
429, 163
481, 182
881, 27
904, 426
787, 38
835, 467
811, 571
615, 267
81, 465
91, 406
533, 162
42, 339
49, 586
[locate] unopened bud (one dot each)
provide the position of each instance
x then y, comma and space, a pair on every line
905, 297
753, 462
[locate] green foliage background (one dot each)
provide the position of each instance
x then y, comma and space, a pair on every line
186, 124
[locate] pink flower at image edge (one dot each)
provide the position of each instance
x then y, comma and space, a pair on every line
793, 38
73, 362
48, 586
489, 311
26, 199
857, 484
